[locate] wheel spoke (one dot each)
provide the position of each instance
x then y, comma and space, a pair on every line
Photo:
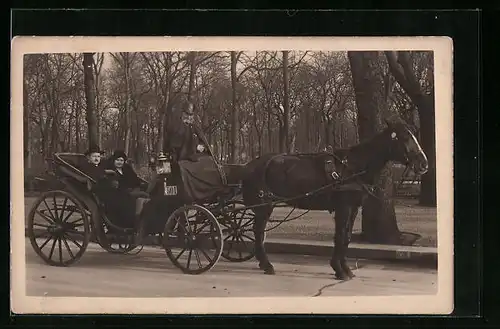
75, 232
241, 218
63, 207
189, 258
238, 239
180, 254
206, 256
65, 219
60, 250
248, 237
231, 244
70, 252
201, 228
48, 208
244, 243
46, 241
188, 225
198, 258
250, 221
52, 248
41, 225
75, 221
48, 219
74, 241
54, 202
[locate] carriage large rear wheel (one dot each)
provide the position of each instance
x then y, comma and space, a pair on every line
193, 239
58, 228
237, 227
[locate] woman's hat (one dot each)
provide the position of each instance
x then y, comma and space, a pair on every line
119, 154
93, 149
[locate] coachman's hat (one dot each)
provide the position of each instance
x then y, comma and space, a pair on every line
189, 109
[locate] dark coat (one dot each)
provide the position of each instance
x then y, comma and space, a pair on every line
95, 172
128, 179
181, 139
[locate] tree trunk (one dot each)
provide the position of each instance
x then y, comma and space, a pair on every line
192, 74
379, 223
402, 69
428, 195
235, 116
128, 123
285, 146
26, 127
78, 132
88, 62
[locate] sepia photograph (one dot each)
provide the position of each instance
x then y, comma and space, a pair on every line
231, 175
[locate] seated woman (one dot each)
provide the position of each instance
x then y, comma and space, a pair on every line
125, 175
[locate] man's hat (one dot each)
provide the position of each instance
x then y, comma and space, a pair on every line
93, 149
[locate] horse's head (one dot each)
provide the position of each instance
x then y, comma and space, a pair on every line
405, 147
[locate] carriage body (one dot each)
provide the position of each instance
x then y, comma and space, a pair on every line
165, 213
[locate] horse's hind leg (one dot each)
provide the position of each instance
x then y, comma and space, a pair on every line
350, 223
262, 215
338, 257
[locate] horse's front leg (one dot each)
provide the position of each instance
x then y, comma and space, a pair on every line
259, 227
338, 258
350, 223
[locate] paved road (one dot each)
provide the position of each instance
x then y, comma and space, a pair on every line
150, 274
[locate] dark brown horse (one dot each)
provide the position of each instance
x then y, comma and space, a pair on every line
277, 176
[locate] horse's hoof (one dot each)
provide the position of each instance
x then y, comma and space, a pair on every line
350, 274
269, 271
342, 277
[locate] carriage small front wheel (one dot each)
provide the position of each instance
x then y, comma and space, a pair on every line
58, 228
193, 239
237, 226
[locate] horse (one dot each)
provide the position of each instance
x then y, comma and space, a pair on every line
342, 178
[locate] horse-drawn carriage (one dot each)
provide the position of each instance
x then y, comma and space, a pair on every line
194, 232
196, 210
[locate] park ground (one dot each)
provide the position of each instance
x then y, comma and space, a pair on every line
151, 274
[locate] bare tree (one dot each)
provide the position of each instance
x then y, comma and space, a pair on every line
285, 142
235, 117
88, 63
401, 67
379, 223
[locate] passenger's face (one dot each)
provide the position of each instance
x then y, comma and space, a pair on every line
94, 158
119, 162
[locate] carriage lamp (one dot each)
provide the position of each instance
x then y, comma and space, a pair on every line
163, 165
